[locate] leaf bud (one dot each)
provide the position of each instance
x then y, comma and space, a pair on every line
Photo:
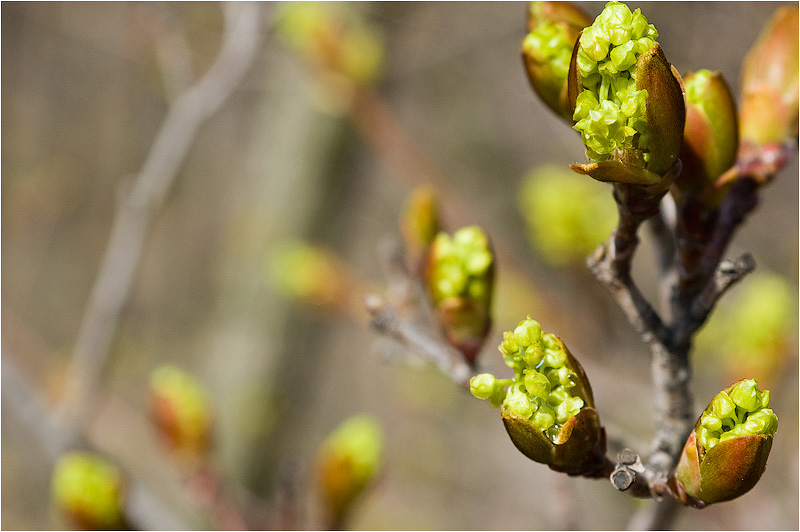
769, 103
89, 491
711, 137
307, 273
181, 411
626, 99
548, 407
727, 451
460, 277
553, 28
347, 462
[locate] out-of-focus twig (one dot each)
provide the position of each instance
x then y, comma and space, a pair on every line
171, 145
144, 508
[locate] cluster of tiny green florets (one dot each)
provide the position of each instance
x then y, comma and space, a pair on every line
460, 265
540, 389
610, 111
548, 44
741, 412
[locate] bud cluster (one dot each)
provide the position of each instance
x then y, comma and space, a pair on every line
610, 111
541, 390
459, 266
740, 412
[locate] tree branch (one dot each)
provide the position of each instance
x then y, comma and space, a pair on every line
169, 149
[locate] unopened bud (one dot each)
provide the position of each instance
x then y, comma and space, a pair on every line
181, 411
347, 462
769, 104
711, 137
89, 491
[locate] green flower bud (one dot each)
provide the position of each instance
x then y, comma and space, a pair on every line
336, 40
759, 317
711, 138
307, 273
632, 122
89, 491
347, 462
546, 50
181, 411
560, 232
482, 386
460, 276
769, 103
727, 452
548, 409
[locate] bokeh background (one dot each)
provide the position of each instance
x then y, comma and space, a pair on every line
84, 93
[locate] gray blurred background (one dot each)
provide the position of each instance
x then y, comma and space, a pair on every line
84, 96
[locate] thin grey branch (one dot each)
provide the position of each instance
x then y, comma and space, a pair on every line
171, 145
386, 321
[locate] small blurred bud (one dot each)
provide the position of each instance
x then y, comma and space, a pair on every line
750, 332
560, 231
547, 408
769, 106
727, 452
711, 137
307, 273
335, 39
419, 222
460, 277
626, 98
553, 28
181, 411
347, 462
89, 491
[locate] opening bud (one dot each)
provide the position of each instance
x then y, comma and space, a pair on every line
547, 407
89, 491
419, 222
553, 29
460, 281
626, 99
727, 451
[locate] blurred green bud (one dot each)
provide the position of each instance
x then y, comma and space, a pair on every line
560, 231
419, 222
181, 411
89, 491
769, 103
750, 332
626, 99
548, 407
307, 273
711, 136
460, 277
727, 452
335, 39
347, 462
546, 51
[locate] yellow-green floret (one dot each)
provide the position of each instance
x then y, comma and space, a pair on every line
461, 265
